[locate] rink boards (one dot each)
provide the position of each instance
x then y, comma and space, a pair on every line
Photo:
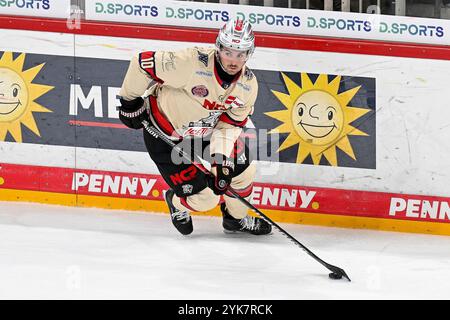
386, 171
283, 203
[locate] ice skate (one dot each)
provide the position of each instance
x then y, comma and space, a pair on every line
180, 219
248, 224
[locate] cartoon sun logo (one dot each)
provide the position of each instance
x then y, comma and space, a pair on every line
317, 118
17, 96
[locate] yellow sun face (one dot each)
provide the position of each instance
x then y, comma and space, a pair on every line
13, 95
17, 95
317, 118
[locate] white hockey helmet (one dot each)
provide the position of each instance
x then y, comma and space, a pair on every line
238, 35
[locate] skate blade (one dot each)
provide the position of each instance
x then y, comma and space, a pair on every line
233, 231
236, 232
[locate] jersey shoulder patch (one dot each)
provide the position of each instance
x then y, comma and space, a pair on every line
203, 58
248, 74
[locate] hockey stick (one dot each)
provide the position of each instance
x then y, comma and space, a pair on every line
337, 273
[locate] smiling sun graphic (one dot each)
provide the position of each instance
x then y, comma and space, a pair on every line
317, 118
17, 96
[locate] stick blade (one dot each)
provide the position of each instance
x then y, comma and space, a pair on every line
339, 272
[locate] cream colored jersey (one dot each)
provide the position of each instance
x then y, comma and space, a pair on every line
189, 98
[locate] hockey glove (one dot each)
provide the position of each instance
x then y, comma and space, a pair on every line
222, 170
131, 113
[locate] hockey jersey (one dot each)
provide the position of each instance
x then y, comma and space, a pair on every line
188, 98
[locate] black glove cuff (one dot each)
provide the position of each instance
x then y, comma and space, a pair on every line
133, 114
131, 106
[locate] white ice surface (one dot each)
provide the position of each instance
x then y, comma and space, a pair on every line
56, 252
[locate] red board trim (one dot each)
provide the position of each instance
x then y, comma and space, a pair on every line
282, 41
287, 198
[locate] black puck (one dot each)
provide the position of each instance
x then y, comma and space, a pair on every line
335, 276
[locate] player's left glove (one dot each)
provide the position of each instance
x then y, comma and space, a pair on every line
222, 173
131, 113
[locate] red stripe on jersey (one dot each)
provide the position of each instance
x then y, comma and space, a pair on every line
224, 117
185, 204
147, 63
160, 120
230, 99
244, 193
239, 146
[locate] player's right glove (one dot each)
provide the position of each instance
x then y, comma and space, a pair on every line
222, 170
131, 113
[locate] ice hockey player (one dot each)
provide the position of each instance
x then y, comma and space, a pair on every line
199, 94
